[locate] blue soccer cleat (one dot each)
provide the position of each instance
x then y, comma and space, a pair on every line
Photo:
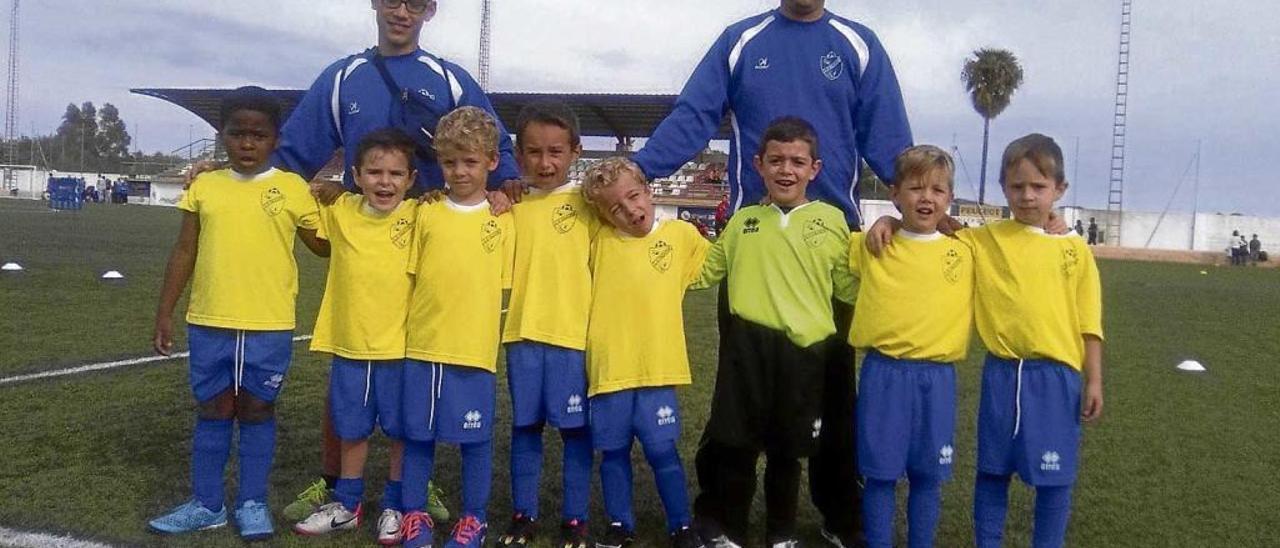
416, 530
253, 519
188, 517
468, 533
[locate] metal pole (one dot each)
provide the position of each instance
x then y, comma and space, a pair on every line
1195, 201
1075, 179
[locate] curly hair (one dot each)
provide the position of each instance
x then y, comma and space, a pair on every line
467, 129
604, 174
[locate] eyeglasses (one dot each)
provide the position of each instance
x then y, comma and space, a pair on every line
414, 6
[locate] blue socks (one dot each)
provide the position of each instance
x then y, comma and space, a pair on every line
668, 473
419, 460
349, 491
257, 447
391, 496
210, 449
991, 503
615, 483
924, 508
877, 512
477, 478
578, 457
526, 468
526, 471
1053, 508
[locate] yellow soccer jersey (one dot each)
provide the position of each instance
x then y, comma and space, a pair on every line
1037, 294
461, 258
636, 334
915, 301
551, 281
245, 274
366, 296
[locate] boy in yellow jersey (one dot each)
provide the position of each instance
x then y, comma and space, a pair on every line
362, 324
546, 328
635, 344
1038, 305
785, 262
461, 258
236, 245
912, 322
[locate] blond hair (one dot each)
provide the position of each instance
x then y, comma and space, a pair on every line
604, 174
467, 129
919, 161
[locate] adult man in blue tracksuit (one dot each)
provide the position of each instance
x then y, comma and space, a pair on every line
350, 99
797, 60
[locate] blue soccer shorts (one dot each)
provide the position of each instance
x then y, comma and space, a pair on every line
650, 414
447, 403
548, 384
239, 360
364, 393
906, 418
1029, 420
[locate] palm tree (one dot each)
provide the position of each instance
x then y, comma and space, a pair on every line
990, 76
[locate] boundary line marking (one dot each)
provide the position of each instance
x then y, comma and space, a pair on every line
101, 367
20, 539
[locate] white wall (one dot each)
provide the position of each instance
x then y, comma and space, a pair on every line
165, 194
1212, 230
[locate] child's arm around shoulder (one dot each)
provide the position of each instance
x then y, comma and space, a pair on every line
716, 265
308, 220
699, 248
1089, 305
182, 261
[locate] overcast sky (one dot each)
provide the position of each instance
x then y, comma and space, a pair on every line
1200, 74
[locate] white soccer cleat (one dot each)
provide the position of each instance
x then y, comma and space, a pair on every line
329, 518
389, 533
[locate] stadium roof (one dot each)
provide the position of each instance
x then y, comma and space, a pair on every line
600, 114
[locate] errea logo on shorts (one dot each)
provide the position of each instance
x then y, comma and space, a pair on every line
817, 428
944, 456
575, 404
1050, 461
666, 416
472, 420
274, 382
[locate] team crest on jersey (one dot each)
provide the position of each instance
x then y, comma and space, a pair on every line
751, 226
272, 201
660, 256
563, 218
1069, 261
832, 65
951, 266
490, 236
427, 94
402, 233
353, 109
814, 232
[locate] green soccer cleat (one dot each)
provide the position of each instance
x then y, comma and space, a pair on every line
309, 501
435, 504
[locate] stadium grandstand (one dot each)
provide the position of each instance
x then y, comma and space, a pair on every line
692, 193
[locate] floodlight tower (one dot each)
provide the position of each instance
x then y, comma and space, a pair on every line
486, 35
1115, 191
11, 100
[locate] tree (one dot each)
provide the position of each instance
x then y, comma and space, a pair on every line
991, 77
112, 140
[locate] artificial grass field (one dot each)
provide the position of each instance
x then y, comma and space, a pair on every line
1177, 460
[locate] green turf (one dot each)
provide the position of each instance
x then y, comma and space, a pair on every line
1178, 459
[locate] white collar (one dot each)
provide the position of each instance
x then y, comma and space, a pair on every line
794, 209
571, 186
449, 203
252, 178
918, 237
656, 223
369, 211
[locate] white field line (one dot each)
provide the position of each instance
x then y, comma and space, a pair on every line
20, 539
103, 367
